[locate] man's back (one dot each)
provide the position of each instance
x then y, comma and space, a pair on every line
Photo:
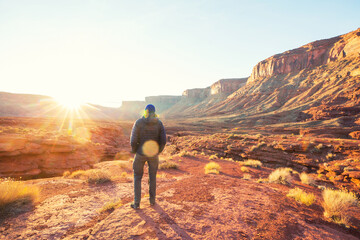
147, 129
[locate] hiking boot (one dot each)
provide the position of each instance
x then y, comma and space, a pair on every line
135, 206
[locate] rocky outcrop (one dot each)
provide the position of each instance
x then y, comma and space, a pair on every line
227, 86
35, 156
162, 103
198, 93
308, 56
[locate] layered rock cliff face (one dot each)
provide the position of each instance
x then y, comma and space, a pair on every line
316, 82
31, 156
308, 56
197, 93
227, 86
36, 147
162, 103
195, 101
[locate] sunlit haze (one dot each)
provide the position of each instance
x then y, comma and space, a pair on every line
104, 52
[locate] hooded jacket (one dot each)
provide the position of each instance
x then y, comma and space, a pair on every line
145, 129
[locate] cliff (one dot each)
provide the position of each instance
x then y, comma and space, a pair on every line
227, 86
318, 81
308, 56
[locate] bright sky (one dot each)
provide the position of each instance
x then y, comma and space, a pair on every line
107, 51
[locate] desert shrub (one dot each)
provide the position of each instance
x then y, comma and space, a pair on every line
112, 205
306, 179
330, 156
184, 154
337, 204
252, 163
168, 165
12, 192
247, 177
212, 157
123, 174
212, 167
301, 196
281, 175
96, 176
244, 169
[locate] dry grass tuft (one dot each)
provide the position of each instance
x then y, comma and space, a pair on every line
337, 204
247, 177
212, 157
96, 176
244, 169
168, 165
212, 167
306, 179
66, 173
301, 196
12, 192
252, 163
111, 206
281, 175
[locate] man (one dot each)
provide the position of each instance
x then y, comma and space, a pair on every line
148, 139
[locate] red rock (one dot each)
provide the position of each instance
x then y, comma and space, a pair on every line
355, 135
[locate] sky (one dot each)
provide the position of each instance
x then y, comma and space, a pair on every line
105, 52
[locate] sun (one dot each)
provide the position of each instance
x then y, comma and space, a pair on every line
70, 103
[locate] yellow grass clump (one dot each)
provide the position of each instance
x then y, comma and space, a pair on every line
111, 206
301, 196
247, 177
306, 179
15, 191
96, 176
244, 169
212, 157
337, 204
252, 163
168, 165
281, 175
212, 167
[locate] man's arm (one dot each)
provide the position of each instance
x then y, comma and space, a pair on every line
134, 138
162, 141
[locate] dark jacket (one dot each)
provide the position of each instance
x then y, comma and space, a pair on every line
146, 129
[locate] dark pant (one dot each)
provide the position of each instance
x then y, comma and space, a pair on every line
138, 167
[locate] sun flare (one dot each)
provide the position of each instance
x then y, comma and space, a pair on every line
70, 103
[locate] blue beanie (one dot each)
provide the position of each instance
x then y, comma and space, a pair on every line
150, 108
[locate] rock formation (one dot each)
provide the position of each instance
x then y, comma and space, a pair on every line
227, 86
309, 56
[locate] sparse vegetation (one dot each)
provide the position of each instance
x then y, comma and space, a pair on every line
96, 176
185, 154
301, 196
168, 165
244, 169
212, 157
124, 174
247, 177
212, 167
330, 156
12, 192
307, 179
281, 175
252, 163
111, 206
337, 204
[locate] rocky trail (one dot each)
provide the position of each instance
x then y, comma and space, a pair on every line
190, 205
